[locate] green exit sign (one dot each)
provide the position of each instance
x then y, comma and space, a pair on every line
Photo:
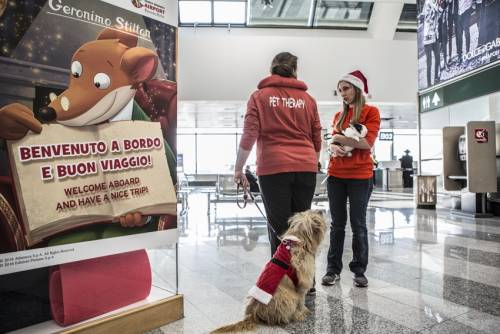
432, 100
477, 84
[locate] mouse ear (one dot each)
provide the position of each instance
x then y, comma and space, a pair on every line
128, 39
140, 64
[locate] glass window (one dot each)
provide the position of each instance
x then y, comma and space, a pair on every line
279, 12
408, 18
432, 167
432, 139
203, 131
406, 142
432, 151
435, 119
383, 150
432, 144
221, 162
229, 12
186, 147
252, 158
352, 14
195, 12
461, 113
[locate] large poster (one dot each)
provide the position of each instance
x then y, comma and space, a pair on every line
81, 66
88, 105
456, 37
96, 173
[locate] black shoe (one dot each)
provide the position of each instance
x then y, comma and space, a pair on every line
330, 279
311, 292
360, 280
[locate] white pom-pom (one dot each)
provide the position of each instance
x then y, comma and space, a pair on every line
369, 96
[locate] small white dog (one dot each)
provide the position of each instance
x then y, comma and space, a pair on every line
354, 131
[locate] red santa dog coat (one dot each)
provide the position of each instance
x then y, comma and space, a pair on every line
274, 271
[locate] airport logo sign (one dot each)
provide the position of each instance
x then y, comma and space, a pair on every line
137, 3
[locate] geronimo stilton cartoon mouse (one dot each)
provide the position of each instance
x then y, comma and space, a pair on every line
105, 75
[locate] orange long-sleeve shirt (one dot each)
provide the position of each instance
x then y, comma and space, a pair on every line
283, 119
360, 164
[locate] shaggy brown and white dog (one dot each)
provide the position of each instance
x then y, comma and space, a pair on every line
305, 233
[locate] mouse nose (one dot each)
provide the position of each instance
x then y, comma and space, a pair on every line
46, 114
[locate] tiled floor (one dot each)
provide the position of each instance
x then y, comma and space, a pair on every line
429, 272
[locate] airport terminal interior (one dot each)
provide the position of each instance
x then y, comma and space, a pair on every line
428, 271
433, 217
432, 269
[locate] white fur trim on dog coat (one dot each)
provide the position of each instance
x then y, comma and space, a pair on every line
260, 295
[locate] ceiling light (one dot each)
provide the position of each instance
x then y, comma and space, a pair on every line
267, 3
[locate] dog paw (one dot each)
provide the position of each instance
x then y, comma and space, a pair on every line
302, 314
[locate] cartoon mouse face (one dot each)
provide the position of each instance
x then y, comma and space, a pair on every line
104, 77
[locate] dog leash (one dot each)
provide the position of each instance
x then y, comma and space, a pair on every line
246, 195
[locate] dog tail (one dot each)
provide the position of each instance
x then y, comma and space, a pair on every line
246, 324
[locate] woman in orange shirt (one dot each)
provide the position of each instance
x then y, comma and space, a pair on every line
350, 176
282, 118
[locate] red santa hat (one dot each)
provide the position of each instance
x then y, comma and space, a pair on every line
357, 79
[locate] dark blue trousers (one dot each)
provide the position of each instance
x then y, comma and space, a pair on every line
358, 192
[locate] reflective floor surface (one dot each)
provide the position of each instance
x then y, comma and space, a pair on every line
429, 271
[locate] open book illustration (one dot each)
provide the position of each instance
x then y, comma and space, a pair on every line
67, 177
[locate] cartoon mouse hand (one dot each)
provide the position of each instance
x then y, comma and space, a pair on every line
15, 121
133, 219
